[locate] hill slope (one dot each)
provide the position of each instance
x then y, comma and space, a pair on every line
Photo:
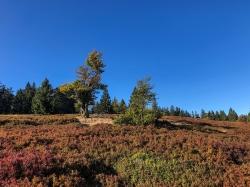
185, 152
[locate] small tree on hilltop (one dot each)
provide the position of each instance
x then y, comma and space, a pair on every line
84, 89
138, 112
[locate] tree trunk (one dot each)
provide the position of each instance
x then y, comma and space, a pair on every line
84, 111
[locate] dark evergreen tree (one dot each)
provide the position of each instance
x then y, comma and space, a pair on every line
22, 102
29, 91
156, 109
6, 99
105, 103
217, 116
122, 107
115, 106
42, 101
223, 116
139, 111
172, 110
203, 114
232, 115
61, 104
19, 102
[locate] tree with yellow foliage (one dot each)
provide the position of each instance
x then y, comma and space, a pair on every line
84, 89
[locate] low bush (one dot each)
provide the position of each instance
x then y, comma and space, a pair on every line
146, 169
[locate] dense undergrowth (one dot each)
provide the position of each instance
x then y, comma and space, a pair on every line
106, 155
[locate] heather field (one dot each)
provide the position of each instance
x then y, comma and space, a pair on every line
60, 151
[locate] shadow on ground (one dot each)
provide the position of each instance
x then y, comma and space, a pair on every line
201, 127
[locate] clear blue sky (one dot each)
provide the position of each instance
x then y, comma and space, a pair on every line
197, 52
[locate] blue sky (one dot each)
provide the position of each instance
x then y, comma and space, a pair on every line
197, 52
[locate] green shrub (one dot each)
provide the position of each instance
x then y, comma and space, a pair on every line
142, 168
150, 170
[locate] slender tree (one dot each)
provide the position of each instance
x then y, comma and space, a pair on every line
84, 89
139, 112
122, 107
115, 106
105, 103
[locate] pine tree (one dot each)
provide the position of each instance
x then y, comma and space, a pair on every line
22, 102
223, 116
29, 91
172, 110
42, 101
122, 107
6, 99
138, 112
115, 106
232, 115
203, 114
105, 103
61, 104
19, 102
217, 116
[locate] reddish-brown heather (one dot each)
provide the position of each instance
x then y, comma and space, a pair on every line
58, 150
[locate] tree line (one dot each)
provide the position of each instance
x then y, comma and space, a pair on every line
48, 100
81, 96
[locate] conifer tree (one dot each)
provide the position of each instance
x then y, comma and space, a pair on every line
29, 92
61, 104
138, 112
223, 116
23, 99
122, 107
115, 106
105, 103
203, 113
6, 99
42, 101
232, 115
19, 102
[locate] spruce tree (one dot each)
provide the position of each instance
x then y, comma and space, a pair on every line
223, 116
61, 104
6, 99
232, 115
115, 106
42, 101
139, 112
23, 99
105, 103
29, 92
203, 114
19, 102
122, 107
